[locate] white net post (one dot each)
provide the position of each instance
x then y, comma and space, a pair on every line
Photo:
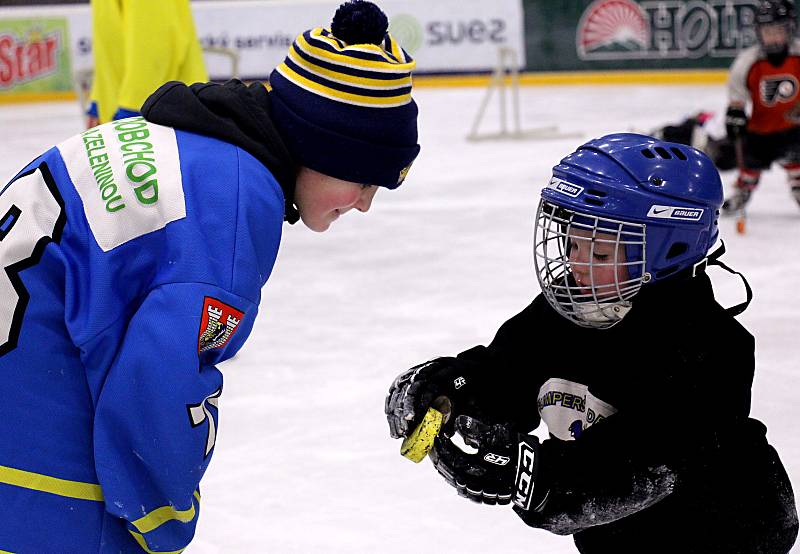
230, 53
82, 82
506, 76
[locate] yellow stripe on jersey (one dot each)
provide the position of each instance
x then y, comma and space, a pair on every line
162, 515
140, 540
356, 63
346, 79
51, 485
339, 96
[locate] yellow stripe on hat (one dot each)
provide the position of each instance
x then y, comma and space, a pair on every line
344, 97
324, 35
350, 61
347, 79
397, 51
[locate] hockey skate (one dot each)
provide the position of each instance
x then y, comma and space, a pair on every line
736, 202
735, 205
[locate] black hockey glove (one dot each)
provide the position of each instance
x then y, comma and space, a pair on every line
735, 122
444, 383
504, 468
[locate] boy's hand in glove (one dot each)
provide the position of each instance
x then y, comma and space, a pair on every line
504, 468
443, 383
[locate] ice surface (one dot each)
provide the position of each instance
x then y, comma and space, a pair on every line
304, 462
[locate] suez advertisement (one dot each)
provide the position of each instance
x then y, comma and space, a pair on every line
443, 36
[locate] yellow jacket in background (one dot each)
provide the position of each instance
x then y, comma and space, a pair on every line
139, 45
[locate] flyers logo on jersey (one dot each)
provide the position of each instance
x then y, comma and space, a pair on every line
778, 88
218, 325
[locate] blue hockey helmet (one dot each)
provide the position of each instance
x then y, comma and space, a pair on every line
650, 206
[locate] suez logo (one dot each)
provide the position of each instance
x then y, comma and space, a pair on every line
410, 32
476, 31
564, 187
675, 212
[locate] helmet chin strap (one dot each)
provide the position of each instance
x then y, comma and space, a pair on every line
602, 312
714, 259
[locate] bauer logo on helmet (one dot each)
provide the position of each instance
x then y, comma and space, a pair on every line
675, 212
564, 187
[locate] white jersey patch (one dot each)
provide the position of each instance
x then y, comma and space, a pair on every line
569, 408
128, 176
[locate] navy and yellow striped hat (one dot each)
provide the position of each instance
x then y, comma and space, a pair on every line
342, 99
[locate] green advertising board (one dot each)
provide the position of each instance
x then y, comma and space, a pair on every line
569, 35
34, 57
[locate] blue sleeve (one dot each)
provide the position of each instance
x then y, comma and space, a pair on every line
123, 113
157, 413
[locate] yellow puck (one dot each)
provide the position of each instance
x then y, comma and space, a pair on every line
417, 445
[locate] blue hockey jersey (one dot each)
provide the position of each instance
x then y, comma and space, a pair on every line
134, 255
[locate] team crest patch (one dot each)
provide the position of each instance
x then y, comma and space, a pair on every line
219, 324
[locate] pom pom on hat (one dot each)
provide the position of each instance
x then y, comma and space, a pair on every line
341, 99
360, 22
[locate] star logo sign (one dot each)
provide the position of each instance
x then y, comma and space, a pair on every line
200, 413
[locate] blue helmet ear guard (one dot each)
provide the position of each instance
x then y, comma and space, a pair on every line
672, 189
659, 201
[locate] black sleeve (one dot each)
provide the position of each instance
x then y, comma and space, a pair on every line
506, 370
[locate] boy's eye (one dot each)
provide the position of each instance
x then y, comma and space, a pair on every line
601, 257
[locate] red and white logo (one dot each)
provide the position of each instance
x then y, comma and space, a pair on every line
27, 59
219, 324
611, 27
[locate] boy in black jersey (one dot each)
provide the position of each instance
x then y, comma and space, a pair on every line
642, 378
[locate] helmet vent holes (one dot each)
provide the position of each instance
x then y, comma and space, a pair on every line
598, 193
678, 154
677, 249
663, 152
657, 181
648, 154
594, 201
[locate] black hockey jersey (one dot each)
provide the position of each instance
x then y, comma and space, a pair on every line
652, 448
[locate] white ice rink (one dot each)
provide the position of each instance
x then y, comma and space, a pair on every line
304, 463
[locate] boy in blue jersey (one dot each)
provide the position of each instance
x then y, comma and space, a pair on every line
134, 255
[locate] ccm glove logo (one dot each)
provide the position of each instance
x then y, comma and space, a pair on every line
496, 459
526, 472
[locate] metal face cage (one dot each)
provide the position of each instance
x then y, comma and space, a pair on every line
589, 267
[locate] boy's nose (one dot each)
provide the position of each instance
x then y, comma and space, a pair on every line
365, 200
